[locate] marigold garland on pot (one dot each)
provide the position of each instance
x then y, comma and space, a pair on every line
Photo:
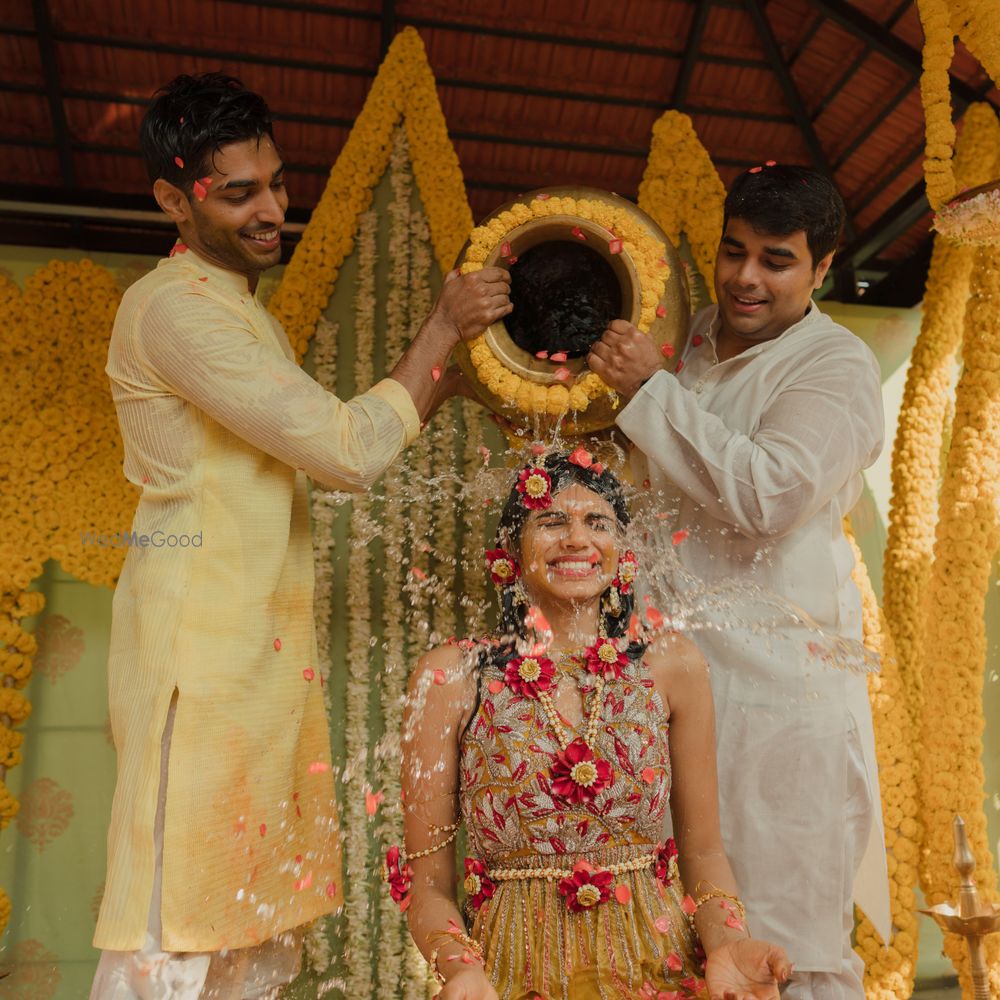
647, 256
954, 649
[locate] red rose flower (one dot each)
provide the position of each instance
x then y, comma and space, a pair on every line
628, 567
605, 659
577, 775
586, 888
666, 861
399, 879
478, 887
535, 485
502, 567
529, 675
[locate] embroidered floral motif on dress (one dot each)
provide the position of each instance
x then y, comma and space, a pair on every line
587, 934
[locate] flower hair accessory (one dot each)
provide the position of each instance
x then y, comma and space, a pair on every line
535, 485
502, 567
628, 568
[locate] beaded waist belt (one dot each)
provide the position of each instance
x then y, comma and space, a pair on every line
550, 874
583, 886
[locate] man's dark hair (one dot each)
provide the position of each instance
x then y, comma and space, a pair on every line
784, 199
191, 118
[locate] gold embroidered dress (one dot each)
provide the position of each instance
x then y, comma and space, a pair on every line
539, 935
221, 428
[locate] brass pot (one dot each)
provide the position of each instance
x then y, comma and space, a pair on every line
669, 329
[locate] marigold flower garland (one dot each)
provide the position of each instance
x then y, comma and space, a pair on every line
916, 458
356, 843
954, 650
682, 190
890, 966
647, 256
60, 465
935, 92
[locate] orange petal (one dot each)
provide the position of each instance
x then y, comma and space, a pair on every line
309, 673
623, 894
436, 373
496, 687
439, 677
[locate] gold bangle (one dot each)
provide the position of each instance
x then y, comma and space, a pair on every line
469, 945
430, 850
714, 892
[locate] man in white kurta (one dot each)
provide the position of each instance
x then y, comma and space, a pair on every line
758, 457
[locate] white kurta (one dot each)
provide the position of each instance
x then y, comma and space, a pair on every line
759, 458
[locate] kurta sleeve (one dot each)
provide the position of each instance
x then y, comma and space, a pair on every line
819, 429
199, 348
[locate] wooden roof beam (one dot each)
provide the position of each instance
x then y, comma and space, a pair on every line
792, 96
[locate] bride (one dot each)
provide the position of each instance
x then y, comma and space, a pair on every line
559, 742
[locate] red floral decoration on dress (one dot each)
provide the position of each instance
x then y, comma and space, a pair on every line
529, 675
628, 568
399, 878
502, 567
579, 776
535, 485
666, 861
605, 659
478, 886
586, 888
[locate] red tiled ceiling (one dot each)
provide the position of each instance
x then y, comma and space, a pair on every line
514, 115
22, 165
226, 26
750, 141
17, 13
656, 22
823, 62
852, 110
739, 87
730, 32
20, 61
791, 21
535, 167
25, 115
502, 61
910, 241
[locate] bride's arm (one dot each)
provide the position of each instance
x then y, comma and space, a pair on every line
441, 696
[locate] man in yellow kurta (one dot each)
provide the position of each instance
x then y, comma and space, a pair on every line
223, 834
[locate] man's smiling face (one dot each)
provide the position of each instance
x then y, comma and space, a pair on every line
763, 282
238, 224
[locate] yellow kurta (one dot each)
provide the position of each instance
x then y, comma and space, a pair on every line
221, 428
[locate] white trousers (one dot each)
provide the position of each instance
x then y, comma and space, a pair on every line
847, 984
151, 974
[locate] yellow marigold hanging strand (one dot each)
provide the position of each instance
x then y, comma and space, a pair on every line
935, 93
955, 644
682, 190
916, 457
890, 966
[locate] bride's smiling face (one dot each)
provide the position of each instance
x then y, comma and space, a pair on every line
569, 551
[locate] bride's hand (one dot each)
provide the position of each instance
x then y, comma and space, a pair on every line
468, 984
746, 970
